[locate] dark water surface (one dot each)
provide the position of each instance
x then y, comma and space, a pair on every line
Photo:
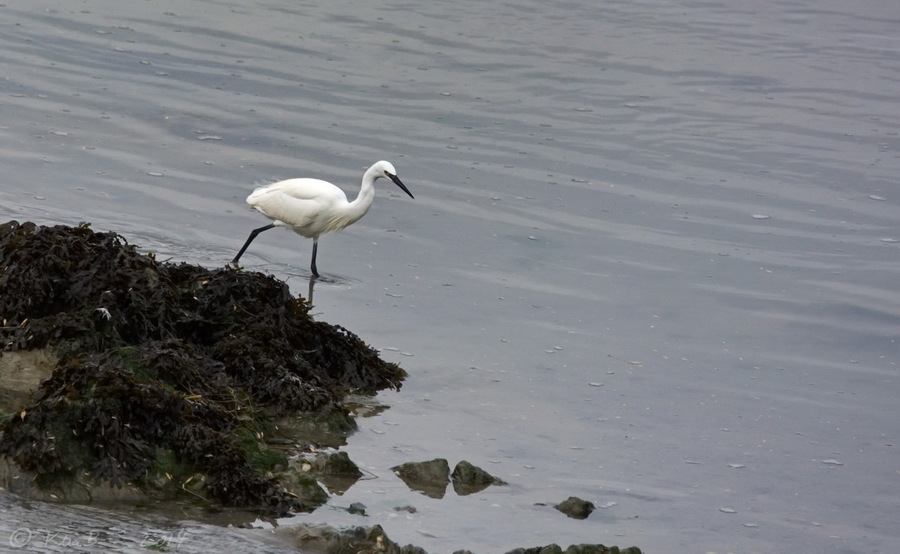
653, 258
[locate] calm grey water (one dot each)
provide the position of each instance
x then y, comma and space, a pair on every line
652, 260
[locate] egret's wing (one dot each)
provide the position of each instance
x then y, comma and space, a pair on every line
305, 205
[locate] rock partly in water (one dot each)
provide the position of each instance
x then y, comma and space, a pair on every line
430, 478
357, 508
324, 539
469, 479
577, 549
336, 471
167, 377
575, 507
323, 428
336, 464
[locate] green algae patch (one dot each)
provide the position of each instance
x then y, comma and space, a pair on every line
168, 378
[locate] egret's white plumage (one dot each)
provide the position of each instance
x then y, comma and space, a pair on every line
312, 207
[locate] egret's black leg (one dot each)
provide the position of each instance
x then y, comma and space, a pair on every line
312, 289
315, 272
252, 236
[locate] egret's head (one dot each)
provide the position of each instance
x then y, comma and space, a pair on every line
386, 169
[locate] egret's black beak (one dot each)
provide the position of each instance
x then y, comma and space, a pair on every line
397, 182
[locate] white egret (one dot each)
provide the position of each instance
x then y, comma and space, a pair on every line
312, 207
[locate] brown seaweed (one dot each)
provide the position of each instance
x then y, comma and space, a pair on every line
159, 360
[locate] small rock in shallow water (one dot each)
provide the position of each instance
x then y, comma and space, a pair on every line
575, 507
338, 463
336, 471
469, 479
430, 478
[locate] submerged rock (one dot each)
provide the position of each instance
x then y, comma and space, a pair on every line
166, 377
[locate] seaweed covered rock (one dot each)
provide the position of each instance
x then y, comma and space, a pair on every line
160, 361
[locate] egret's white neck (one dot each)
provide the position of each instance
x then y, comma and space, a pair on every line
363, 201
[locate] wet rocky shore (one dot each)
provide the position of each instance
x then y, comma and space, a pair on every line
123, 377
